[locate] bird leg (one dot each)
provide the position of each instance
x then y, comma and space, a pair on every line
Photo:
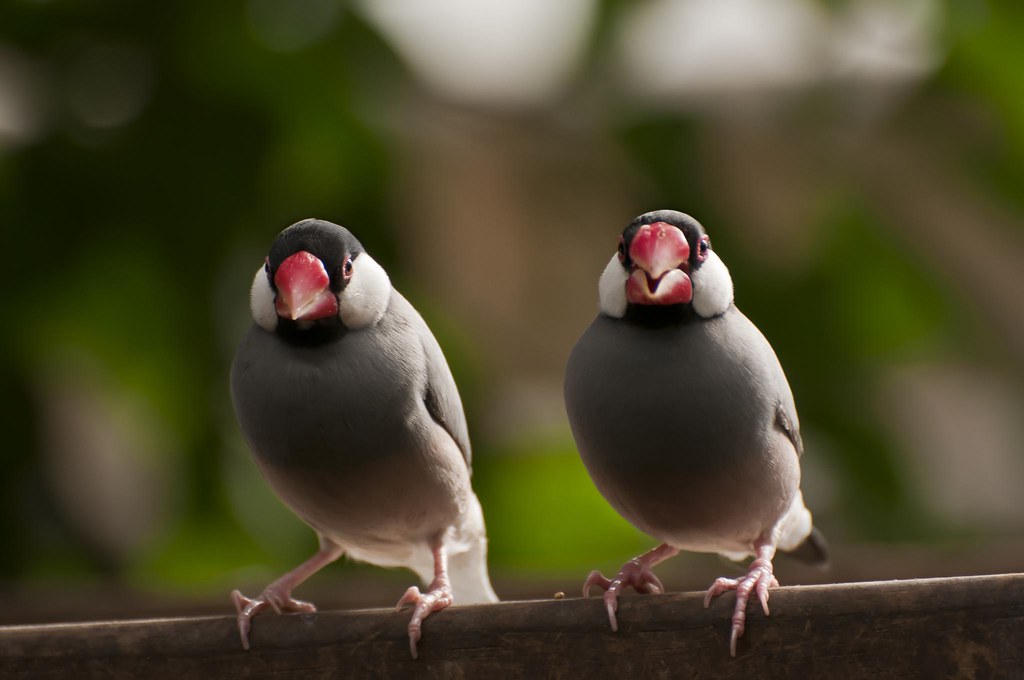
637, 573
759, 579
437, 597
278, 595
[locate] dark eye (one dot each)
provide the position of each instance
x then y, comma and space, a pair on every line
266, 265
622, 250
703, 248
346, 268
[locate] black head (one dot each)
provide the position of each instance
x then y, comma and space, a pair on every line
696, 238
335, 246
318, 281
665, 267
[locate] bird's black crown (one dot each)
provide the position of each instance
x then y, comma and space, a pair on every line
328, 242
691, 228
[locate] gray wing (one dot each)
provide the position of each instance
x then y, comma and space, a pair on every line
785, 418
442, 396
775, 387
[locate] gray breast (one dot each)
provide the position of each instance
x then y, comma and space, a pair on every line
330, 405
675, 422
341, 430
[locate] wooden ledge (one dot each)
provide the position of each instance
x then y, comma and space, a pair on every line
967, 627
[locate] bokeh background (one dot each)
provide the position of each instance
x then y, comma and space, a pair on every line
860, 166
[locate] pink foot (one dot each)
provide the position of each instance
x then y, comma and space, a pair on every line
759, 579
637, 573
279, 600
437, 598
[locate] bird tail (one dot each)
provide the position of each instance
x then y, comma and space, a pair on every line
812, 550
466, 544
468, 571
467, 568
799, 537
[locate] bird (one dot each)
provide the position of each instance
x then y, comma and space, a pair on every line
352, 416
684, 418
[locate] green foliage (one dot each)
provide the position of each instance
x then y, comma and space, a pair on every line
130, 249
544, 515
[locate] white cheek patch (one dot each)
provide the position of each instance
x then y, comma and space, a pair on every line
365, 298
261, 301
712, 287
611, 289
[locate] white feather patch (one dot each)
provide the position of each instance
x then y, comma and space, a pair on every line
712, 287
261, 301
795, 525
365, 298
611, 289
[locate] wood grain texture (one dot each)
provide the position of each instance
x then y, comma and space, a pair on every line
968, 627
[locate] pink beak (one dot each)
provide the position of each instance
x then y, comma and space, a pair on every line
660, 254
303, 289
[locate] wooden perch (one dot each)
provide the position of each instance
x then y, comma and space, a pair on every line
968, 627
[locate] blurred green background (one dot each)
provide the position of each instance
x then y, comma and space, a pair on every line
859, 165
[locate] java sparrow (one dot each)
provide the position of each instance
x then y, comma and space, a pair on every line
683, 417
353, 417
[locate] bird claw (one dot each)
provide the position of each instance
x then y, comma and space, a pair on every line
758, 580
598, 579
272, 598
634, 573
412, 595
437, 598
